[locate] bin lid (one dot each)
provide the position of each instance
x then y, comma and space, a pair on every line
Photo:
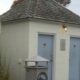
38, 59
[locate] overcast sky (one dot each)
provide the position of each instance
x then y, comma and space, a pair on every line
6, 4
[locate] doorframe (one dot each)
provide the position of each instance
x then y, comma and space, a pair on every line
54, 51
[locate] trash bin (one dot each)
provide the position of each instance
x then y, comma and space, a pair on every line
36, 69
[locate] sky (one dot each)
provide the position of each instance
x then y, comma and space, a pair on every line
73, 6
5, 5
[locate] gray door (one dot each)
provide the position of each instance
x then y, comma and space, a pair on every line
74, 60
45, 49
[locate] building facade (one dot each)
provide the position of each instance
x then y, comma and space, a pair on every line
41, 27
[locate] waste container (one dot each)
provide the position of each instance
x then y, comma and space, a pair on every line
36, 69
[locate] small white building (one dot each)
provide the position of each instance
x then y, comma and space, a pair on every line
45, 28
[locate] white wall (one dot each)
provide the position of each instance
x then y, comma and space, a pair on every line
61, 58
0, 25
20, 41
15, 47
0, 39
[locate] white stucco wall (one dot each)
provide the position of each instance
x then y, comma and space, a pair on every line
14, 39
20, 41
0, 37
61, 58
0, 25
